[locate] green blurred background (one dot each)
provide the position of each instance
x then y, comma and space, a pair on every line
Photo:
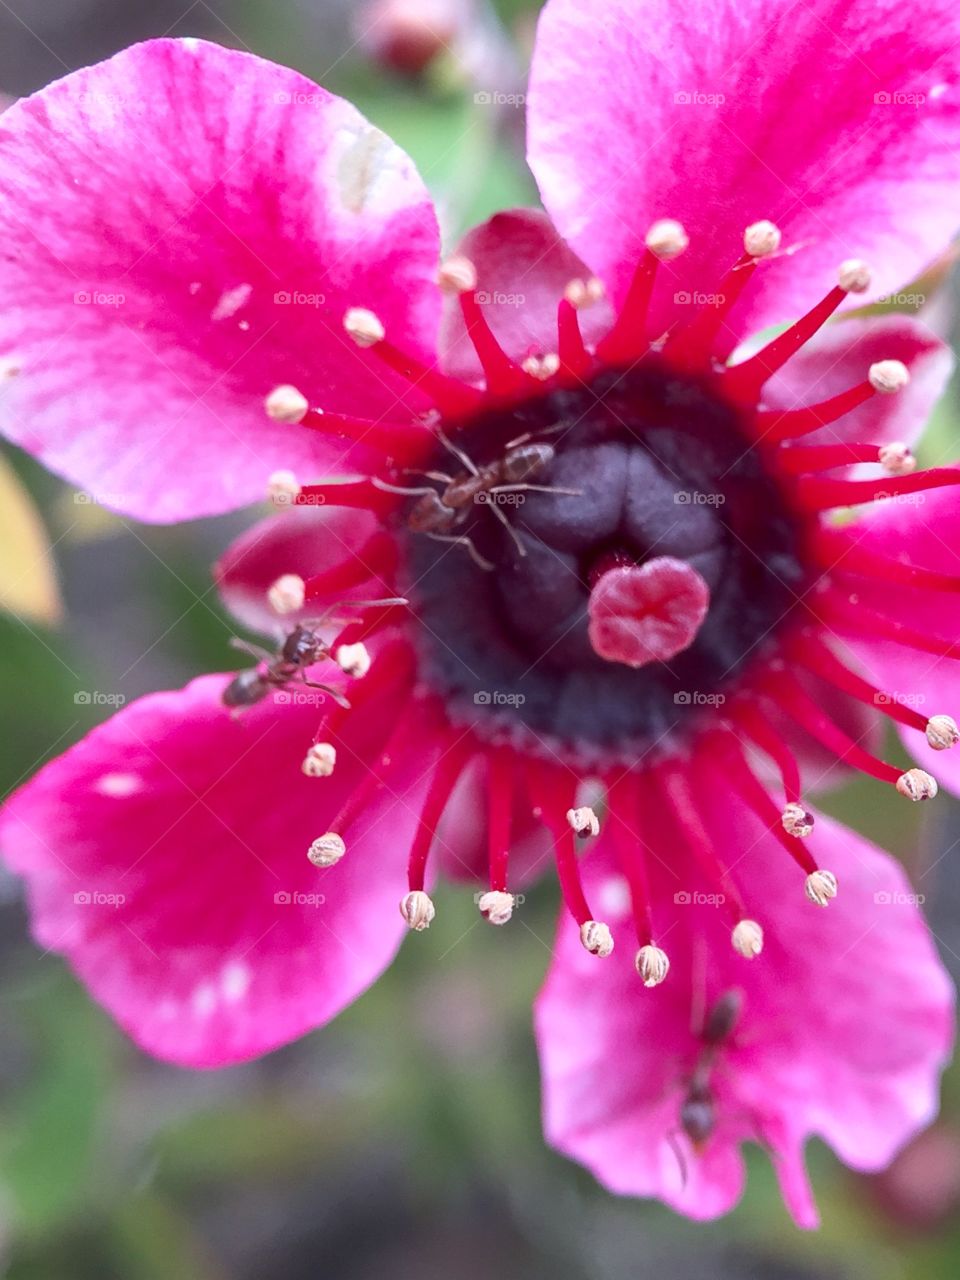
403, 1140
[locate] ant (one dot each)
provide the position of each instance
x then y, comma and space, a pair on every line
698, 1111
299, 649
439, 513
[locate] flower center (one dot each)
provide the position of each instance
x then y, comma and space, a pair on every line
591, 549
640, 469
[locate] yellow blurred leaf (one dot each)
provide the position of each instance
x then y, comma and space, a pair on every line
28, 575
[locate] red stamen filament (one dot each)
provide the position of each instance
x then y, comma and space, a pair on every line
628, 850
802, 708
796, 461
822, 494
377, 558
410, 439
503, 377
553, 795
745, 380
453, 398
775, 425
574, 357
687, 818
818, 659
628, 336
837, 550
362, 494
849, 613
758, 729
453, 760
692, 344
756, 796
499, 815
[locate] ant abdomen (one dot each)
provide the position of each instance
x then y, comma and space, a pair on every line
245, 689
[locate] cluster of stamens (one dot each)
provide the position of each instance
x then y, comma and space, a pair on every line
748, 727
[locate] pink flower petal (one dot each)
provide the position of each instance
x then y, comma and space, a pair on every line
166, 857
840, 356
304, 541
185, 227
839, 123
923, 532
846, 1021
523, 268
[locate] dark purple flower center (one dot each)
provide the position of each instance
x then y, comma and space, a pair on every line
653, 463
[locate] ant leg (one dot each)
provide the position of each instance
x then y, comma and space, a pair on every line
403, 490
338, 698
475, 555
681, 1158
534, 435
502, 517
441, 477
467, 461
254, 650
535, 488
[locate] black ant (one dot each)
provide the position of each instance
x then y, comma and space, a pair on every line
299, 649
438, 513
698, 1110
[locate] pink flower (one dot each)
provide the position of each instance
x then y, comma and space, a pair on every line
628, 585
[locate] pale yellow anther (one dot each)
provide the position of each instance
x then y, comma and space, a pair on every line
666, 239
353, 660
320, 760
286, 404
283, 489
761, 239
917, 784
597, 938
365, 328
821, 887
583, 821
942, 732
796, 820
888, 376
747, 939
652, 964
497, 906
327, 850
418, 910
896, 458
584, 293
854, 276
457, 275
541, 367
287, 594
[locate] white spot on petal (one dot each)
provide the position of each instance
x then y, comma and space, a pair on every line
204, 1000
231, 300
118, 785
615, 897
235, 981
365, 154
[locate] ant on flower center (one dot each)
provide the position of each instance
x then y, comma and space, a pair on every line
440, 513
